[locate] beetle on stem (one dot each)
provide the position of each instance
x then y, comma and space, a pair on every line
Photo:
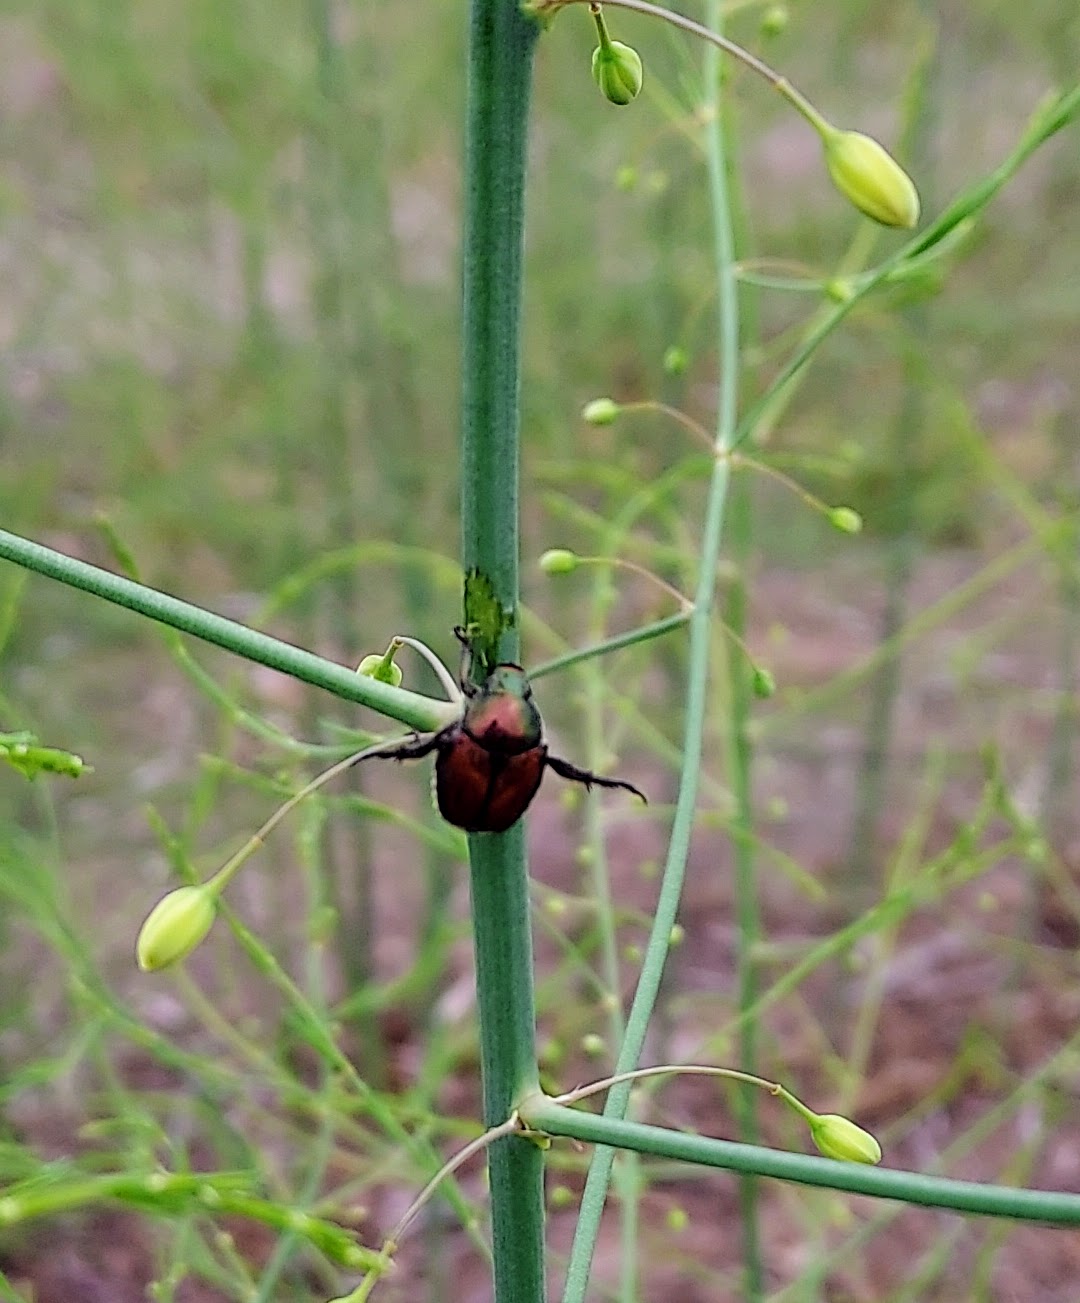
490, 762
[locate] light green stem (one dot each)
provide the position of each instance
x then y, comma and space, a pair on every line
740, 692
419, 712
700, 621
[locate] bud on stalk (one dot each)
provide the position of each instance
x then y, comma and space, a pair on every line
616, 68
867, 174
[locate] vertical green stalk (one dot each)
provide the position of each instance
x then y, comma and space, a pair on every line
667, 905
748, 923
501, 45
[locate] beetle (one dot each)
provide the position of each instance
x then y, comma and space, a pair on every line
490, 762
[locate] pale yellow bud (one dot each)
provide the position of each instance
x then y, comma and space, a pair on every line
175, 926
845, 519
838, 1137
678, 1219
867, 174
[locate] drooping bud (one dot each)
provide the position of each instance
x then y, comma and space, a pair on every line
617, 70
601, 411
867, 174
381, 668
559, 561
175, 926
838, 1137
845, 519
764, 683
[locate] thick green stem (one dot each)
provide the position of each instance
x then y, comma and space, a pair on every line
501, 44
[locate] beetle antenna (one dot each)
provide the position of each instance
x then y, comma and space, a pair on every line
588, 779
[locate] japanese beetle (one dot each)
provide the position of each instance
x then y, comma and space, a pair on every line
489, 763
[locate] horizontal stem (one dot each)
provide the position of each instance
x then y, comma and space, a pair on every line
412, 708
641, 634
1059, 1208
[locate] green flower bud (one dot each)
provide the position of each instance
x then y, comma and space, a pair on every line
839, 289
616, 69
763, 683
867, 174
838, 1137
626, 177
601, 411
676, 360
845, 519
593, 1044
556, 906
678, 1219
774, 20
551, 1053
175, 926
559, 561
381, 668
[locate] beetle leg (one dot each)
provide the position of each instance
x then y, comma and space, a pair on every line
566, 770
468, 688
409, 748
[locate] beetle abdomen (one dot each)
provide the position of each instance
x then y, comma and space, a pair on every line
484, 791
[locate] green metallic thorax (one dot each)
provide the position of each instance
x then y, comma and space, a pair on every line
502, 717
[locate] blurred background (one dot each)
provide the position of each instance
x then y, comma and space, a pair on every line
229, 252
